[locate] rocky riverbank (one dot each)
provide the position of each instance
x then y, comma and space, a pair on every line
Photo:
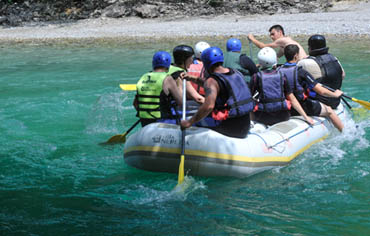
20, 12
344, 18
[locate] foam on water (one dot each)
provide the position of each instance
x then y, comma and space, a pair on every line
107, 115
352, 139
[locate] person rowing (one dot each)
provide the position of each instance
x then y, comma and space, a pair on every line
227, 99
157, 94
324, 67
302, 83
272, 92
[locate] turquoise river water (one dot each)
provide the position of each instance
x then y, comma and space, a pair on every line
57, 102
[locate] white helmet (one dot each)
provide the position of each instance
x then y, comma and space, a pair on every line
200, 47
267, 57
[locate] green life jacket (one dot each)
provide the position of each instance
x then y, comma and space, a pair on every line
232, 60
175, 71
149, 92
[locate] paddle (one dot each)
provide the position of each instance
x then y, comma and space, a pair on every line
250, 49
182, 161
128, 87
347, 104
363, 103
120, 138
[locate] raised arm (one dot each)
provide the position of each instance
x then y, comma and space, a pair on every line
260, 44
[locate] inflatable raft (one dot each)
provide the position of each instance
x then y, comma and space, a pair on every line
156, 147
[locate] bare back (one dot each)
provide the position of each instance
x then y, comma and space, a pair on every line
284, 41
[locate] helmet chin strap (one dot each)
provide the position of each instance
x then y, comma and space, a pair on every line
318, 51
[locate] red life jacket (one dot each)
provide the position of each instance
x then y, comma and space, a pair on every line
197, 70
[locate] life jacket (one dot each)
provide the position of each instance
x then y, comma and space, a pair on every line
232, 60
331, 72
271, 96
235, 96
291, 72
197, 70
153, 103
174, 69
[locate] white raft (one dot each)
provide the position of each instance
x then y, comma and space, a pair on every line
156, 147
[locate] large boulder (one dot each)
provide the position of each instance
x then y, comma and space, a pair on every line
147, 11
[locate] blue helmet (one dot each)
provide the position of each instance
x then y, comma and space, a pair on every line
233, 45
161, 59
211, 56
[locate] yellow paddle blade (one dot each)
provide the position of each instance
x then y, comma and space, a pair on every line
128, 87
181, 170
119, 138
363, 103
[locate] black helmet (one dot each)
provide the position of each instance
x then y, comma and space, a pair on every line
181, 53
316, 41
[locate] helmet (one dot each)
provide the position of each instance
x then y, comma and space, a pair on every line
161, 59
316, 41
200, 47
211, 56
181, 53
233, 45
267, 57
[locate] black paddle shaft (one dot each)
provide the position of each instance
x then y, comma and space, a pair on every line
133, 126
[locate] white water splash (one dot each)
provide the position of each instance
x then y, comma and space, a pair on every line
107, 114
144, 195
352, 139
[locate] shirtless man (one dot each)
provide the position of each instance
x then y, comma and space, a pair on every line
279, 41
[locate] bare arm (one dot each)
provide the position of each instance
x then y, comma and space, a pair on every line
299, 108
343, 72
179, 85
260, 44
194, 79
212, 89
191, 92
325, 92
170, 87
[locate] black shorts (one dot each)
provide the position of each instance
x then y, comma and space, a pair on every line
234, 127
271, 118
311, 107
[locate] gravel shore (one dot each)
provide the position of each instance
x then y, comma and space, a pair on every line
343, 19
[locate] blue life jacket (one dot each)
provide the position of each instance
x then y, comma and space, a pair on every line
234, 98
236, 95
271, 95
291, 72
